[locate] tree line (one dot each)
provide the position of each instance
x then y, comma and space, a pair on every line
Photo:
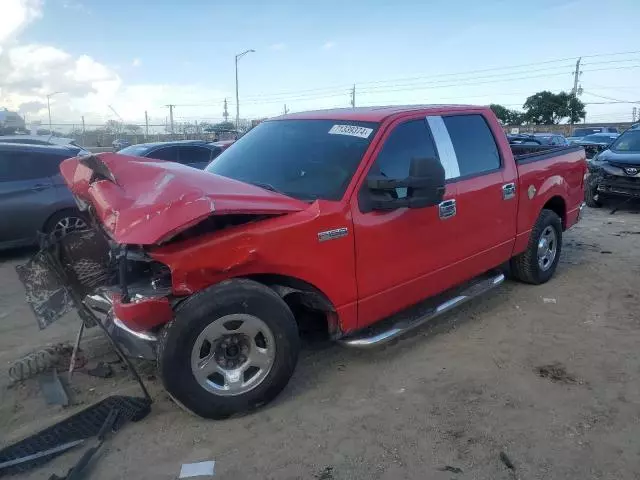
543, 108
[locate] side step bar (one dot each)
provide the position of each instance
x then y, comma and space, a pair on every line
389, 329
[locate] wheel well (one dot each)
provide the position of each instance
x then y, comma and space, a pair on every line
556, 204
315, 314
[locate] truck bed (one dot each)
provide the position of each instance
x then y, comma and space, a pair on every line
529, 153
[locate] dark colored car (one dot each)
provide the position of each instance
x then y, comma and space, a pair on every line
523, 139
580, 133
596, 143
551, 139
195, 153
615, 171
33, 195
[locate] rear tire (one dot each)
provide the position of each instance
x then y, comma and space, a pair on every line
244, 334
591, 196
546, 236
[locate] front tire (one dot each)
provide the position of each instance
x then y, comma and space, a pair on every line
231, 348
539, 261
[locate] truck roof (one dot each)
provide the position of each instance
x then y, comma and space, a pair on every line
369, 114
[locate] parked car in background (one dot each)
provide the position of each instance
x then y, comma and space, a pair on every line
119, 143
523, 139
595, 143
336, 219
551, 139
635, 125
615, 171
195, 153
582, 132
40, 140
33, 196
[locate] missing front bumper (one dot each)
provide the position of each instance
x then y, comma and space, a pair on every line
134, 344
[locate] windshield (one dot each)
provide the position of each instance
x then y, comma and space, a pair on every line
629, 141
600, 138
134, 150
304, 159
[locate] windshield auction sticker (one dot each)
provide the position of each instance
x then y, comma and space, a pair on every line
351, 130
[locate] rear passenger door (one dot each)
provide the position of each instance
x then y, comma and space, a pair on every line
194, 156
486, 200
26, 193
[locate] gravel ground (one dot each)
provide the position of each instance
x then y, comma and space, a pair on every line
543, 378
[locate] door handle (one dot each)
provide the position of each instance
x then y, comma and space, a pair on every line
508, 191
447, 209
38, 187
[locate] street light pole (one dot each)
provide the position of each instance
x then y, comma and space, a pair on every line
238, 57
49, 109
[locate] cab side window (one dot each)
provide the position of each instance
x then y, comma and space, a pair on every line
474, 144
408, 140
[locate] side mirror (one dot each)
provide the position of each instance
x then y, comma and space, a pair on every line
424, 187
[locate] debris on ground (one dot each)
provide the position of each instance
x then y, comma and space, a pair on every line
325, 474
53, 390
42, 360
549, 300
606, 251
83, 425
449, 468
200, 469
504, 458
102, 370
556, 372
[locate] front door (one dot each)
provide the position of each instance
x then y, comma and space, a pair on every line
398, 251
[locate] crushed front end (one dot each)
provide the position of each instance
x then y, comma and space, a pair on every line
611, 178
119, 286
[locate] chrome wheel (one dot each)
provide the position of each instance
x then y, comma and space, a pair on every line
233, 354
547, 248
66, 225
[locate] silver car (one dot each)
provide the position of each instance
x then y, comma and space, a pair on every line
33, 195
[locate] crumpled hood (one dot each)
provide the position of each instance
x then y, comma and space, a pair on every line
631, 158
145, 201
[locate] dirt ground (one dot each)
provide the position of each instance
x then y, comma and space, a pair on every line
547, 376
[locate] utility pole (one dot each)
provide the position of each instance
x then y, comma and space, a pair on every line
574, 90
83, 131
286, 110
353, 96
146, 125
576, 76
170, 117
634, 114
238, 57
225, 114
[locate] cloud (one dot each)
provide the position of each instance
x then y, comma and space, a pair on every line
278, 46
30, 71
328, 45
16, 14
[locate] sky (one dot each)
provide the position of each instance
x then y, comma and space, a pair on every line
134, 56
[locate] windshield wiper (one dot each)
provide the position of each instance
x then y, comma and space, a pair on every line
267, 186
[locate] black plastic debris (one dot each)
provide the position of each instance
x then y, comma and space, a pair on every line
102, 370
81, 426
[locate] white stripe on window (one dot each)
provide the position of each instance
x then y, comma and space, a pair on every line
443, 143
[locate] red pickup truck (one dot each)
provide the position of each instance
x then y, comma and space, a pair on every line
363, 222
